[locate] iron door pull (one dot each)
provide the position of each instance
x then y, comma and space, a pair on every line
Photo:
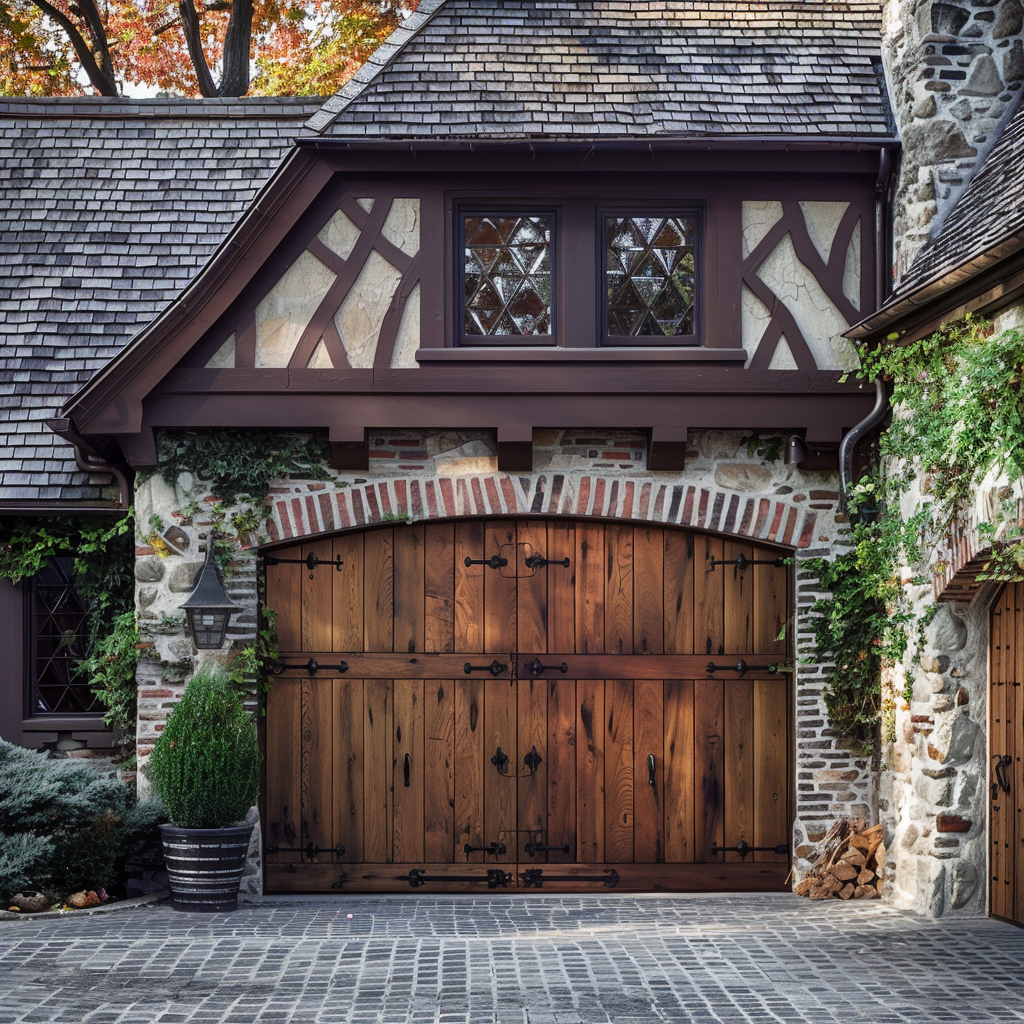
1002, 763
651, 764
494, 562
534, 878
740, 668
495, 668
531, 848
535, 667
405, 771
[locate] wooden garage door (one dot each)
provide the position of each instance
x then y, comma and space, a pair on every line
1006, 785
539, 704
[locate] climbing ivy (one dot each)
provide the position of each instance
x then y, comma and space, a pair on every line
957, 420
241, 464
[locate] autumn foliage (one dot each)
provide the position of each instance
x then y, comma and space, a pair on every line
188, 48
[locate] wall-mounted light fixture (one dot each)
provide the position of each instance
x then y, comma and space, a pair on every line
208, 608
796, 451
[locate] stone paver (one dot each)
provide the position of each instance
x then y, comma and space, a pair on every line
514, 960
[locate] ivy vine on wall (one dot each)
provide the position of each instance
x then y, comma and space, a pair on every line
957, 420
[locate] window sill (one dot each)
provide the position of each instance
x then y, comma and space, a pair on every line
582, 355
65, 723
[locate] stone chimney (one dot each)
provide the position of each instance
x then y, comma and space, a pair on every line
955, 70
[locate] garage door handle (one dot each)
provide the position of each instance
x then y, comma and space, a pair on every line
1002, 763
535, 667
494, 562
405, 772
650, 770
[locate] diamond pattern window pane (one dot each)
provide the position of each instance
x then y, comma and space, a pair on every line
650, 276
508, 276
60, 641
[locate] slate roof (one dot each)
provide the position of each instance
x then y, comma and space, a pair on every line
108, 208
642, 69
988, 214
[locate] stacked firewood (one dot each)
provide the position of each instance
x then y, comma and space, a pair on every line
847, 864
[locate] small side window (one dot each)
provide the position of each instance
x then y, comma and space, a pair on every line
650, 279
507, 279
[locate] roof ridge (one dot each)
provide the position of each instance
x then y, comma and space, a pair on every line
379, 60
156, 108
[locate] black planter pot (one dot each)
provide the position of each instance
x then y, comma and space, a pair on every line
204, 866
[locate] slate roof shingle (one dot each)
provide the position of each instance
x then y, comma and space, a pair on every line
108, 208
641, 69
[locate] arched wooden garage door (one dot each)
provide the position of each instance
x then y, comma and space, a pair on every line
528, 703
1006, 746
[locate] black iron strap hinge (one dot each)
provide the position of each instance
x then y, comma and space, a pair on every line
743, 848
312, 666
534, 878
495, 878
311, 561
741, 562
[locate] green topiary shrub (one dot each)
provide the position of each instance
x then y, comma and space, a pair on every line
64, 824
206, 763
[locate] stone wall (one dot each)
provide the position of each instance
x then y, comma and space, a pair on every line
726, 487
955, 70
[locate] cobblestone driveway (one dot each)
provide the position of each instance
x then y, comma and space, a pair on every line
503, 960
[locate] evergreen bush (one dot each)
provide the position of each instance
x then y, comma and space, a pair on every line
206, 763
64, 824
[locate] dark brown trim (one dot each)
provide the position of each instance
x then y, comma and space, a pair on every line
606, 354
12, 664
667, 449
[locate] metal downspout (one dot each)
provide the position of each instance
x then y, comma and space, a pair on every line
849, 442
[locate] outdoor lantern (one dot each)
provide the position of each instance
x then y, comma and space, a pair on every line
796, 451
208, 607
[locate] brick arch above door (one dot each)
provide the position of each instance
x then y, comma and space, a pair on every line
318, 508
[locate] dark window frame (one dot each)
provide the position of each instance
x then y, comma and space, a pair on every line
695, 210
514, 208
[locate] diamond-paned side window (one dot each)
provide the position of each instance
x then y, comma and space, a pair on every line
60, 638
507, 275
650, 279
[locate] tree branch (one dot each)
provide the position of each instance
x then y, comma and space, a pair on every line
234, 79
102, 81
90, 13
190, 23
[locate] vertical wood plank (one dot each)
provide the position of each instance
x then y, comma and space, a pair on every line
618, 589
1017, 768
618, 771
407, 783
589, 588
679, 771
378, 590
469, 588
999, 732
377, 748
317, 753
771, 607
738, 755
439, 581
678, 600
532, 596
316, 597
408, 589
439, 770
532, 789
648, 800
470, 760
648, 590
709, 769
500, 589
284, 595
590, 740
772, 823
561, 637
708, 597
500, 790
347, 594
348, 767
284, 738
738, 599
561, 755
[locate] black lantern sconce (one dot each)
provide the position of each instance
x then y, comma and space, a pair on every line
208, 607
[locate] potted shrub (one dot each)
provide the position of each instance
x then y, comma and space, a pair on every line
206, 767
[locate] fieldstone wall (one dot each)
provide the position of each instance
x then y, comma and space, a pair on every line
726, 487
955, 70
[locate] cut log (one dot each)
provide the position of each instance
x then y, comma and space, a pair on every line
865, 892
866, 877
844, 871
847, 891
855, 857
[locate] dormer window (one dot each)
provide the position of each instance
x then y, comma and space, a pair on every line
507, 278
585, 274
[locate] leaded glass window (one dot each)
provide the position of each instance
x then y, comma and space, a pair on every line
507, 275
650, 280
60, 638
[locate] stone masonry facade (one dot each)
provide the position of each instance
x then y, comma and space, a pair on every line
726, 488
955, 70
